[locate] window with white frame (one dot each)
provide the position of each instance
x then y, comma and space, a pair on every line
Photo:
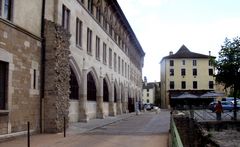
194, 62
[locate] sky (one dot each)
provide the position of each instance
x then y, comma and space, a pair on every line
162, 26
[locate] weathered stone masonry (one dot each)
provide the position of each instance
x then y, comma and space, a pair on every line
57, 76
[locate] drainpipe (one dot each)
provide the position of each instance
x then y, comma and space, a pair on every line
42, 86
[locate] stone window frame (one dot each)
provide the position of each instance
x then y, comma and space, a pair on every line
110, 58
6, 14
171, 62
97, 48
211, 84
90, 6
210, 72
66, 17
194, 71
89, 41
8, 58
119, 65
104, 53
171, 72
79, 28
194, 62
122, 67
125, 69
183, 62
115, 61
171, 85
183, 72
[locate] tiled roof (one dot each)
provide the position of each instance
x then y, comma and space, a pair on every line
184, 52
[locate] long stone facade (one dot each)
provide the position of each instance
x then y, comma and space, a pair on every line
74, 59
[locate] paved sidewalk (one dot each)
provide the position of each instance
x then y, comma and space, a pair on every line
40, 140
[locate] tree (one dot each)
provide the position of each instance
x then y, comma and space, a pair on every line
228, 67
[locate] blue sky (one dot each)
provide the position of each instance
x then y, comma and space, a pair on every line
162, 26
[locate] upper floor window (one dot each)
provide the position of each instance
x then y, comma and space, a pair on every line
125, 69
194, 62
3, 84
210, 63
97, 48
183, 71
211, 85
90, 6
89, 41
183, 62
183, 84
78, 32
194, 72
65, 17
6, 9
119, 65
115, 61
171, 72
171, 63
110, 58
210, 71
104, 53
171, 84
122, 67
194, 84
98, 14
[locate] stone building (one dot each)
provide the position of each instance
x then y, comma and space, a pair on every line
185, 71
76, 59
20, 64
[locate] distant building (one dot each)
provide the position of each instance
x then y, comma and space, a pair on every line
185, 71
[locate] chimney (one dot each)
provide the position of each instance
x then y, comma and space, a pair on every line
209, 53
171, 52
145, 80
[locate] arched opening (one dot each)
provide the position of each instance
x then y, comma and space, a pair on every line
130, 103
105, 91
91, 88
74, 88
115, 94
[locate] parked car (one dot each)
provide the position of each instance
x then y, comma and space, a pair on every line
227, 105
148, 106
231, 99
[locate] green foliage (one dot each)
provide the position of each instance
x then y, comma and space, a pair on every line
228, 64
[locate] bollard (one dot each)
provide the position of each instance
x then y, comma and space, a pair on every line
28, 133
64, 126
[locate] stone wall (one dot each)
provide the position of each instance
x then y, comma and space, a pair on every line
192, 134
57, 76
21, 50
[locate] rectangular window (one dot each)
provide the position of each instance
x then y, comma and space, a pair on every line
3, 84
183, 84
194, 84
210, 63
171, 84
125, 69
128, 71
6, 9
183, 62
147, 90
97, 48
105, 23
171, 72
194, 72
147, 94
211, 85
65, 18
98, 14
183, 71
210, 72
90, 6
110, 58
119, 65
115, 62
89, 41
122, 67
78, 32
171, 63
194, 62
104, 53
34, 79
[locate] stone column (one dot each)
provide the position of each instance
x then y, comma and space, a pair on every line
119, 103
111, 100
99, 109
83, 98
124, 102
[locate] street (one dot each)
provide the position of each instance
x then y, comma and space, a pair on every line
147, 129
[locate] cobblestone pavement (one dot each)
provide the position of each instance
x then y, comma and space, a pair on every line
127, 130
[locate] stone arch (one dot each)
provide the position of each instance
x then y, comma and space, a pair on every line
93, 72
116, 91
93, 87
106, 86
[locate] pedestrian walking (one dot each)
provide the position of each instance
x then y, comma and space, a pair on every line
218, 110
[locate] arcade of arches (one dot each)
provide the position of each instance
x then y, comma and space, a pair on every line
93, 97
